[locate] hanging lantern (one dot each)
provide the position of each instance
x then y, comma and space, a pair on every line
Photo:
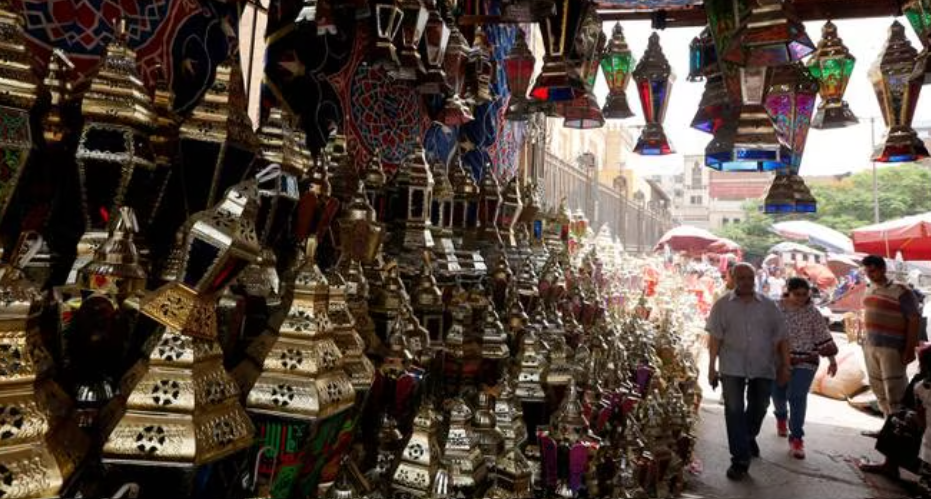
654, 79
617, 65
480, 70
790, 102
518, 66
386, 18
557, 82
456, 111
769, 35
413, 22
436, 39
702, 56
918, 13
714, 107
583, 112
779, 198
427, 302
527, 11
832, 64
898, 97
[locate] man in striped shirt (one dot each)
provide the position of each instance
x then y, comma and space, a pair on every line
891, 319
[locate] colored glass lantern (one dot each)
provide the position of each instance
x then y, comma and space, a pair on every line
518, 66
702, 56
527, 11
456, 111
714, 107
584, 113
557, 82
918, 13
832, 64
386, 18
617, 65
654, 79
769, 35
788, 194
790, 102
898, 96
413, 22
436, 39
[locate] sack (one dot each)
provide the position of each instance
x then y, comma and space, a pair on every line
850, 378
828, 350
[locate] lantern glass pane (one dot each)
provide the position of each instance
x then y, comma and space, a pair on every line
754, 84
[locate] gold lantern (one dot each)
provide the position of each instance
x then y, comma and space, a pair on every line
462, 454
284, 143
480, 70
435, 40
420, 458
490, 440
413, 186
456, 111
509, 415
360, 234
446, 263
494, 338
374, 180
345, 334
531, 369
427, 303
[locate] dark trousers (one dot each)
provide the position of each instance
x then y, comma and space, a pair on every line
745, 404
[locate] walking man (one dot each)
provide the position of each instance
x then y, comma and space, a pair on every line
891, 320
747, 337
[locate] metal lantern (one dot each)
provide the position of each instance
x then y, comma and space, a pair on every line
416, 471
790, 102
480, 70
557, 82
284, 142
703, 57
518, 66
584, 112
832, 64
456, 111
374, 181
918, 13
436, 38
446, 263
413, 22
461, 452
360, 234
617, 65
489, 207
386, 18
527, 11
654, 79
410, 211
427, 302
769, 35
714, 107
779, 198
898, 98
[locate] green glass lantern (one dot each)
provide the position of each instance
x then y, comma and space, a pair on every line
832, 64
617, 65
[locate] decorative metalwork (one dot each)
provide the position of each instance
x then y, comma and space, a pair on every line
832, 65
617, 64
654, 79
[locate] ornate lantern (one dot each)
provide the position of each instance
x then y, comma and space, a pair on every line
489, 207
374, 180
427, 303
832, 64
518, 66
494, 338
360, 234
509, 416
898, 97
413, 22
714, 107
116, 164
531, 369
284, 143
654, 79
568, 448
447, 263
415, 473
918, 13
509, 214
584, 113
702, 56
490, 440
788, 194
557, 82
617, 65
345, 334
436, 38
480, 70
790, 102
462, 454
456, 111
413, 185
527, 11
386, 18
465, 199
769, 35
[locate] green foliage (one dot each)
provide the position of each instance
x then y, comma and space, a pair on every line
843, 205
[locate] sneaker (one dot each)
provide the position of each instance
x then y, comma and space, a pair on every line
736, 473
797, 448
782, 428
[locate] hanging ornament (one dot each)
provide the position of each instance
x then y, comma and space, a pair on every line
456, 111
617, 65
769, 35
898, 98
584, 113
557, 82
480, 70
832, 64
413, 22
518, 66
386, 20
435, 41
790, 102
654, 79
918, 13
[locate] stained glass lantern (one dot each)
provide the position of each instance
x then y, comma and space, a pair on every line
788, 194
832, 64
918, 13
714, 107
386, 18
456, 111
769, 35
518, 66
435, 40
702, 56
654, 79
790, 102
413, 23
617, 65
898, 97
557, 82
480, 70
583, 113
527, 11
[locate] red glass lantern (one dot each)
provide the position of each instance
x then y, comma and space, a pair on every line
519, 65
654, 79
557, 82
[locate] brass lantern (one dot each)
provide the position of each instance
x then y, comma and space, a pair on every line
480, 70
420, 458
918, 13
360, 234
18, 91
462, 454
617, 64
584, 113
654, 79
413, 23
284, 143
446, 264
456, 111
557, 82
769, 35
509, 213
346, 334
116, 164
436, 38
832, 65
898, 98
410, 211
386, 18
489, 207
519, 66
427, 303
374, 181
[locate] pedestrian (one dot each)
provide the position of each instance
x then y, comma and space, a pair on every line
891, 321
809, 340
747, 337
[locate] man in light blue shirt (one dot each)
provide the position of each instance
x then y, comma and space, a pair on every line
747, 337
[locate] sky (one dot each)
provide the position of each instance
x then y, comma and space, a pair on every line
828, 152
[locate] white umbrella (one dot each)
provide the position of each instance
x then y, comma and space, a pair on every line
813, 233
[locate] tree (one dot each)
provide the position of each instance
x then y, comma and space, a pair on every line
843, 206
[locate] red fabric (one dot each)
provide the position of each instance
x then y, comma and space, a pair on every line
910, 235
819, 274
851, 301
687, 238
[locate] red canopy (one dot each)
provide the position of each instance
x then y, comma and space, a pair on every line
687, 238
909, 235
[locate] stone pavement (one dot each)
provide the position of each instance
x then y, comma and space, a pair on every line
833, 445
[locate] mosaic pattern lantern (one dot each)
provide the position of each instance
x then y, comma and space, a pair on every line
436, 38
769, 35
519, 65
790, 102
386, 18
413, 22
557, 82
654, 79
832, 64
617, 66
456, 111
918, 13
898, 94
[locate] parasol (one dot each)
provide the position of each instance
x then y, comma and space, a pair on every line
790, 247
813, 233
820, 275
687, 238
910, 235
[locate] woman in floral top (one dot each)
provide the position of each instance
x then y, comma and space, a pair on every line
809, 339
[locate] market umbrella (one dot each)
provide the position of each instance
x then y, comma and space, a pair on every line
813, 233
724, 245
910, 235
820, 275
687, 238
842, 264
790, 247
